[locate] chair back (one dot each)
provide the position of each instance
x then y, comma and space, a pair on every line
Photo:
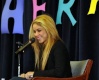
78, 67
81, 67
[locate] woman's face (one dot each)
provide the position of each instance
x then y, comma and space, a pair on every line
39, 33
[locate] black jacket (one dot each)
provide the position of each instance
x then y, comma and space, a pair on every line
58, 64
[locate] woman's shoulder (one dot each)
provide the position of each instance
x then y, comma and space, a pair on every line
59, 47
59, 43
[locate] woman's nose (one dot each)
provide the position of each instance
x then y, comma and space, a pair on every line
36, 34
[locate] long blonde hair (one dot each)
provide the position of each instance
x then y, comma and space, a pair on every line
48, 24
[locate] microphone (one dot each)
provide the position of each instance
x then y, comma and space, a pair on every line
32, 40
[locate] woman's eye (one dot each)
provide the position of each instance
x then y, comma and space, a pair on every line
39, 30
34, 31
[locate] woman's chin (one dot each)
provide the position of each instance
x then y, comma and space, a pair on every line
40, 42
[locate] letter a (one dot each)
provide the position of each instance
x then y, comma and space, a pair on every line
17, 14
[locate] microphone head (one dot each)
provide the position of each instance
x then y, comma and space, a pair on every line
32, 40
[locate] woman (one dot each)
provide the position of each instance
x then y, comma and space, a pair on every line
51, 55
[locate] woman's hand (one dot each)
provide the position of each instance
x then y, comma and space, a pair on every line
29, 75
22, 75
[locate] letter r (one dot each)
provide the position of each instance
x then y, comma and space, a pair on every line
66, 8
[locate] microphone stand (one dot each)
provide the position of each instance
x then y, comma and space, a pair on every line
21, 47
18, 65
19, 57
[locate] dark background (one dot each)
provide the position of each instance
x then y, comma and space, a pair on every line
82, 39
